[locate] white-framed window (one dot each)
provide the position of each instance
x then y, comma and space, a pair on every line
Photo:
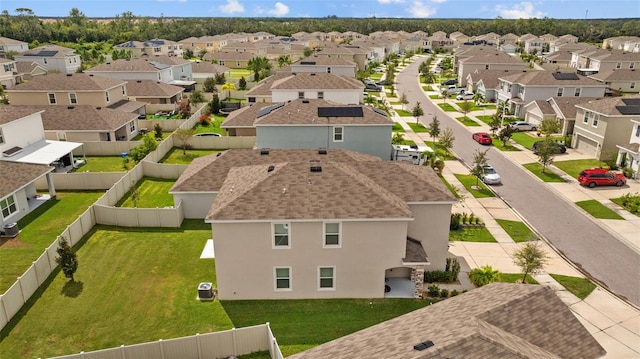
560, 91
596, 118
62, 136
300, 94
1, 137
320, 94
637, 132
326, 278
281, 235
332, 235
132, 126
45, 61
632, 65
578, 92
632, 85
282, 278
124, 91
486, 67
73, 99
52, 99
8, 206
106, 96
585, 118
338, 134
618, 65
221, 62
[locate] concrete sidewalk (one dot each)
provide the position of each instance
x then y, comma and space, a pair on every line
614, 323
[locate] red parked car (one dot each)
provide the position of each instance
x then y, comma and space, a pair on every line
482, 138
601, 177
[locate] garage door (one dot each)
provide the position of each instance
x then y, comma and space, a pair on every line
586, 146
533, 118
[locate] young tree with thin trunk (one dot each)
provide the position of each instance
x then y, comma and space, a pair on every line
417, 112
67, 259
446, 139
465, 107
183, 135
444, 93
403, 100
434, 128
546, 152
530, 258
479, 161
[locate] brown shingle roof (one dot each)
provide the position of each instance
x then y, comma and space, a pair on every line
228, 56
16, 175
546, 78
545, 107
27, 67
207, 67
608, 106
319, 81
9, 113
127, 65
68, 82
82, 118
150, 88
49, 51
490, 78
263, 88
567, 105
492, 58
625, 75
307, 112
499, 320
414, 252
246, 116
324, 61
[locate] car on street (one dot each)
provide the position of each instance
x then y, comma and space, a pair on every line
482, 138
560, 147
489, 175
601, 177
523, 126
449, 82
465, 96
373, 87
207, 134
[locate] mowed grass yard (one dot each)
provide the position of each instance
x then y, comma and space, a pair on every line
38, 230
133, 285
152, 193
176, 155
102, 164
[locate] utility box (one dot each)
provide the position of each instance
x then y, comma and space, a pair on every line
10, 230
205, 291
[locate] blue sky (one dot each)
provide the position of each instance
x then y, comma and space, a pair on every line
508, 9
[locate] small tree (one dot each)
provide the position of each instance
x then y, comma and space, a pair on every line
446, 139
67, 259
530, 258
444, 93
403, 100
479, 161
417, 111
209, 85
242, 84
228, 86
184, 134
220, 79
546, 152
483, 276
197, 97
157, 132
434, 128
505, 134
214, 104
548, 127
465, 107
135, 194
494, 125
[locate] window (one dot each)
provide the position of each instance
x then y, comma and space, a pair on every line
486, 67
62, 136
320, 94
328, 70
585, 119
618, 65
300, 94
124, 92
337, 134
596, 118
560, 91
132, 126
106, 95
632, 65
281, 235
52, 99
578, 92
632, 85
326, 278
45, 61
222, 63
73, 99
1, 137
509, 88
332, 235
282, 277
637, 133
8, 206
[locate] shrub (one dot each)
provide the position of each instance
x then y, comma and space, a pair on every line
464, 218
631, 202
628, 172
472, 218
483, 276
204, 120
433, 290
454, 292
455, 221
436, 276
444, 293
452, 268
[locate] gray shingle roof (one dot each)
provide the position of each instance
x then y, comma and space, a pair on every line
316, 81
324, 61
546, 78
500, 320
308, 112
624, 75
68, 82
48, 51
490, 78
150, 88
567, 105
10, 113
15, 175
608, 106
207, 67
127, 65
244, 117
82, 118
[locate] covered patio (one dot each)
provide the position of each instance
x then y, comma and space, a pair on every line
52, 153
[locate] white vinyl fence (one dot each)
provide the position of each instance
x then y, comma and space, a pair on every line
214, 345
83, 181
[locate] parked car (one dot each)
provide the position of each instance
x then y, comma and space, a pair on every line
601, 177
560, 147
449, 82
206, 134
482, 138
489, 175
368, 82
384, 82
373, 87
523, 126
465, 96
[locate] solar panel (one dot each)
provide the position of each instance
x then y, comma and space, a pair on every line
307, 62
158, 65
340, 112
267, 110
631, 101
565, 76
380, 112
45, 53
629, 110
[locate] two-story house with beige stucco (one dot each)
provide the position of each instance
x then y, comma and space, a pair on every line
485, 58
8, 45
8, 73
53, 57
153, 47
324, 64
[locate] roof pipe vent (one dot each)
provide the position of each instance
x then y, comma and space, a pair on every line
271, 168
264, 151
423, 345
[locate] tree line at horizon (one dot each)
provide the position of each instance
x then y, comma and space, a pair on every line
26, 26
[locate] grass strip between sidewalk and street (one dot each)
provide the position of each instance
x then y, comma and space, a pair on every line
598, 210
580, 287
417, 127
547, 176
518, 231
446, 107
516, 277
471, 234
467, 121
470, 182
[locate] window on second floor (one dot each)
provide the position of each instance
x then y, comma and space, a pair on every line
45, 61
637, 132
585, 119
509, 88
300, 94
320, 94
337, 134
1, 137
596, 118
632, 65
281, 235
560, 91
124, 91
328, 70
106, 96
132, 126
52, 99
332, 235
486, 67
632, 85
73, 99
578, 92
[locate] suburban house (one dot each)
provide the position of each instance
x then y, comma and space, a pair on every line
323, 64
315, 123
74, 89
261, 92
562, 109
538, 110
204, 43
599, 60
28, 70
337, 88
485, 82
521, 88
11, 45
232, 60
154, 47
620, 80
493, 321
8, 73
626, 43
629, 153
562, 41
201, 70
484, 58
277, 49
18, 194
153, 92
245, 47
509, 38
166, 69
439, 40
352, 53
603, 124
85, 123
300, 217
53, 58
533, 44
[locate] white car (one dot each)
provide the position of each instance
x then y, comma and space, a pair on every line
489, 175
523, 126
465, 96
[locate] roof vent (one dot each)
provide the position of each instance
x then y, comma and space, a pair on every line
98, 108
90, 75
264, 151
423, 345
70, 107
305, 101
69, 75
316, 168
139, 81
271, 168
312, 74
108, 63
322, 151
219, 153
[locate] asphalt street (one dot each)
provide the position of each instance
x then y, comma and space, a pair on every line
601, 255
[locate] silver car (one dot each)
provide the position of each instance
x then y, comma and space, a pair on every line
523, 126
489, 175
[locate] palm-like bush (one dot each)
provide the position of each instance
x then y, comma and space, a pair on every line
483, 276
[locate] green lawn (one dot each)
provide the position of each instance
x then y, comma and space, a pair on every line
403, 113
213, 126
133, 285
446, 107
580, 287
547, 176
522, 138
301, 324
407, 142
440, 150
38, 230
484, 118
518, 231
573, 167
434, 97
449, 186
477, 234
417, 127
598, 210
176, 156
102, 164
469, 182
238, 73
514, 277
165, 134
631, 204
152, 193
499, 145
473, 106
467, 121
397, 127
427, 88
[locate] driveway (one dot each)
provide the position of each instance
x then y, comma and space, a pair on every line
600, 254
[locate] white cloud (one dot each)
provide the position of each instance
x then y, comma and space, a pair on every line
171, 0
232, 6
385, 2
524, 10
420, 9
438, 1
280, 9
